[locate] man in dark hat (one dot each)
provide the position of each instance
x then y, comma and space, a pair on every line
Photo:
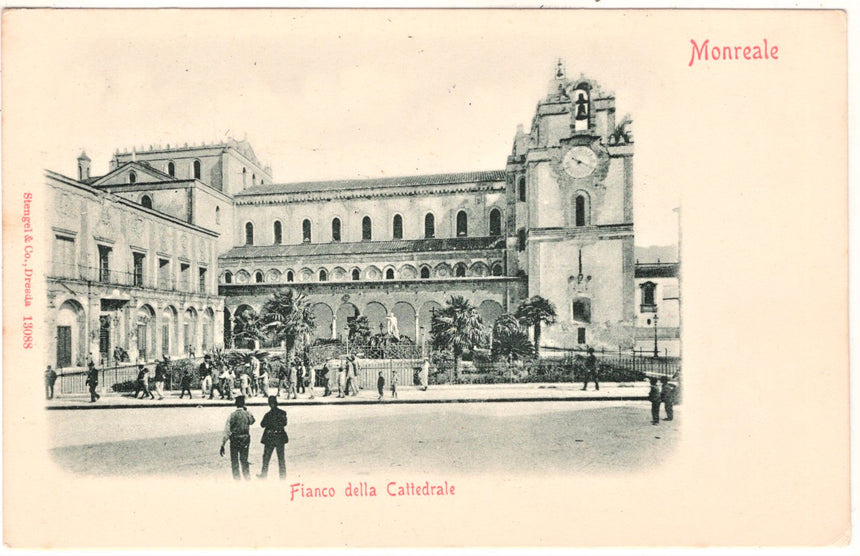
238, 431
206, 369
50, 380
591, 370
93, 381
667, 394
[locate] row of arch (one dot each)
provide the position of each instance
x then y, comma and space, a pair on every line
147, 334
495, 227
371, 272
413, 320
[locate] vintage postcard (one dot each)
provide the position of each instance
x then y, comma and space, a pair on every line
425, 278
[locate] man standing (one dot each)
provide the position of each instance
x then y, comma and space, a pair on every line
591, 370
205, 376
255, 376
312, 379
237, 431
667, 394
160, 374
93, 381
50, 380
654, 398
143, 377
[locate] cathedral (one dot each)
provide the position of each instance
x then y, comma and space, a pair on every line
158, 255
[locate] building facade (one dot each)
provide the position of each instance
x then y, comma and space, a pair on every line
556, 222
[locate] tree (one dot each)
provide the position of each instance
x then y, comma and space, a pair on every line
288, 318
358, 330
457, 327
510, 341
534, 312
247, 327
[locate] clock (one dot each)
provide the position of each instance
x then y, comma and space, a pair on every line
580, 161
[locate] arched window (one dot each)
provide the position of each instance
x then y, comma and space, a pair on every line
580, 210
397, 227
290, 276
146, 201
253, 179
521, 189
649, 304
425, 272
389, 274
460, 270
335, 229
323, 275
306, 230
196, 167
356, 275
521, 239
429, 225
218, 215
132, 177
462, 224
497, 269
171, 169
582, 309
366, 229
228, 277
495, 222
277, 231
244, 177
249, 233
258, 277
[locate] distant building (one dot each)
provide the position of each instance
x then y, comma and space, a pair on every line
556, 221
658, 308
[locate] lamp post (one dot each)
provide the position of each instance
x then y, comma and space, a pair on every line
656, 353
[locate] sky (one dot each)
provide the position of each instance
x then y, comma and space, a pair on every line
331, 94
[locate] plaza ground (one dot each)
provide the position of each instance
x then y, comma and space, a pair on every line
554, 433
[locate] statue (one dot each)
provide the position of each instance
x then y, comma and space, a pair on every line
391, 323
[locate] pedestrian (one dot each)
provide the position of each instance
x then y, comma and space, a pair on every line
350, 377
654, 397
425, 374
341, 382
326, 378
293, 378
300, 379
143, 382
231, 383
93, 380
238, 431
205, 370
283, 380
264, 380
255, 375
394, 383
380, 385
274, 438
50, 380
168, 374
667, 394
312, 379
591, 370
185, 382
245, 381
160, 372
222, 382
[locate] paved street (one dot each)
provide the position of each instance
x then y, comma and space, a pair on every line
503, 437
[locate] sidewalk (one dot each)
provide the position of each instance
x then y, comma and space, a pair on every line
442, 393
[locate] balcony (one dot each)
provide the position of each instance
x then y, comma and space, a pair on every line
113, 277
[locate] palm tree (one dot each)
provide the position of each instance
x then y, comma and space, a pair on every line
288, 318
457, 327
510, 341
358, 330
247, 327
534, 312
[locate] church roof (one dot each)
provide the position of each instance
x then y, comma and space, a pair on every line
657, 270
367, 247
371, 183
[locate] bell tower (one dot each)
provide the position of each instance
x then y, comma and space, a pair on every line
575, 221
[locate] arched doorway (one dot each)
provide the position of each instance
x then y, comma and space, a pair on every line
375, 313
425, 318
169, 328
145, 332
71, 335
344, 315
323, 318
189, 330
208, 341
490, 310
405, 315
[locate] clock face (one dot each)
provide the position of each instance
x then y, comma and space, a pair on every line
580, 161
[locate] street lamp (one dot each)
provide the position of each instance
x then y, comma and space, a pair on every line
656, 354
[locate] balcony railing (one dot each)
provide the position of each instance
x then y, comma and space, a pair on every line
118, 278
